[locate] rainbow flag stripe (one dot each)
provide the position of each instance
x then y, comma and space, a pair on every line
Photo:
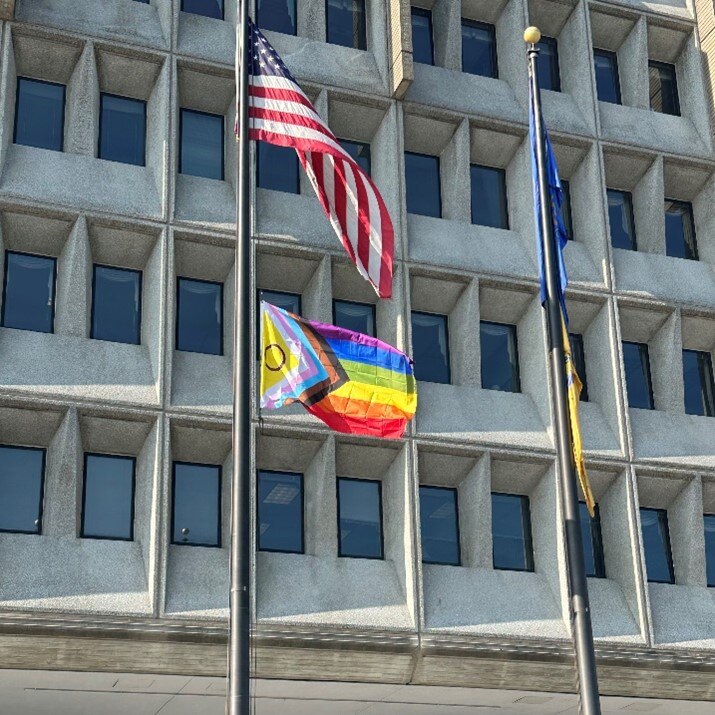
352, 382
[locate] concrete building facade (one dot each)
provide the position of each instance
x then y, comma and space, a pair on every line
156, 612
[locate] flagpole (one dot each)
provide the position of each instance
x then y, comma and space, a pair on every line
239, 648
578, 586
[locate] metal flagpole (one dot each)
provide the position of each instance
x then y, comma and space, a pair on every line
239, 647
578, 587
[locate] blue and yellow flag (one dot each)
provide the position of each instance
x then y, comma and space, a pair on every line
556, 197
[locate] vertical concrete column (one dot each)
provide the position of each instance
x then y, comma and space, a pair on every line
74, 284
510, 47
474, 494
399, 30
704, 216
311, 19
321, 105
685, 518
649, 209
690, 70
533, 351
82, 106
159, 107
154, 308
465, 353
455, 178
390, 314
666, 365
321, 510
8, 83
633, 66
447, 29
318, 294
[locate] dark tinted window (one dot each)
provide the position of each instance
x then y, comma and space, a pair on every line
360, 152
592, 542
656, 545
116, 304
22, 474
360, 518
500, 357
108, 498
479, 48
511, 532
196, 515
423, 184
201, 144
430, 346
199, 316
698, 383
29, 292
287, 301
209, 8
277, 15
489, 203
359, 317
548, 66
566, 216
638, 381
345, 20
278, 168
122, 129
439, 526
680, 230
608, 86
40, 114
280, 512
663, 88
620, 218
579, 361
422, 45
709, 520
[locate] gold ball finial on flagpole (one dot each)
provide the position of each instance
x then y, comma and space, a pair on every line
532, 35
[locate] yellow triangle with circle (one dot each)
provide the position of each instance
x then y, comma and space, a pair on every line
277, 359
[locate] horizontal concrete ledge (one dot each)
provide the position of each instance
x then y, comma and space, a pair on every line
173, 647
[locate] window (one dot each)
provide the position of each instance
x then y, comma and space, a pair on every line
663, 86
698, 383
360, 518
424, 193
359, 317
22, 476
709, 520
656, 545
608, 85
345, 23
548, 65
108, 497
201, 144
208, 8
511, 532
489, 203
29, 292
277, 15
500, 357
422, 42
116, 304
278, 168
620, 219
592, 541
579, 361
196, 512
40, 114
479, 48
430, 346
680, 230
439, 525
360, 152
280, 512
566, 216
199, 316
638, 381
122, 129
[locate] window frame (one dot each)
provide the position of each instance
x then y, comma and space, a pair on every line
514, 331
41, 505
133, 460
64, 109
448, 341
556, 67
362, 37
455, 493
188, 12
141, 303
219, 534
709, 367
631, 219
691, 216
492, 30
372, 306
439, 182
528, 536
101, 118
649, 376
223, 141
341, 555
54, 289
668, 546
176, 318
259, 549
503, 189
424, 12
617, 74
656, 64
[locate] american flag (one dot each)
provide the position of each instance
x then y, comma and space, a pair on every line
280, 113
